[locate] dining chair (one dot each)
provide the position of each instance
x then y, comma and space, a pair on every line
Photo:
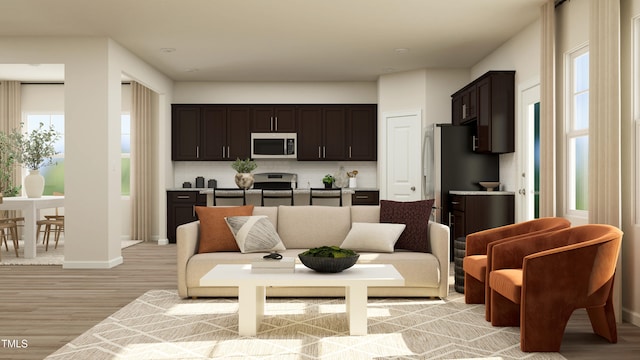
229, 193
276, 194
322, 193
51, 223
12, 228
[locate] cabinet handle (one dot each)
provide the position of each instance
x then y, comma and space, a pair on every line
464, 111
474, 142
197, 152
276, 127
223, 152
319, 153
228, 151
450, 221
193, 211
182, 196
271, 122
362, 197
349, 152
455, 203
324, 152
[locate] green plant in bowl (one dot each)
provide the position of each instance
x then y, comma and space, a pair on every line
328, 259
329, 251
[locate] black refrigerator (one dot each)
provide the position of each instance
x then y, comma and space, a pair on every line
451, 164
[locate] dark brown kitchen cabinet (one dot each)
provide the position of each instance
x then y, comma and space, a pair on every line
181, 209
365, 197
337, 132
487, 104
362, 133
268, 118
210, 132
321, 132
464, 105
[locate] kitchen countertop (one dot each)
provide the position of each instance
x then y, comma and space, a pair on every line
465, 192
257, 191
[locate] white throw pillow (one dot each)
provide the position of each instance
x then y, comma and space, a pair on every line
254, 234
375, 237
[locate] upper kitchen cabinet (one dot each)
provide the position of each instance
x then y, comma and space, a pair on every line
210, 132
362, 132
269, 118
321, 132
492, 114
463, 105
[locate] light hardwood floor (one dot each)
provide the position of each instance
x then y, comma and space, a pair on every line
47, 306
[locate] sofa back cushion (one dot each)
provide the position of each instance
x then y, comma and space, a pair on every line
269, 211
305, 227
365, 214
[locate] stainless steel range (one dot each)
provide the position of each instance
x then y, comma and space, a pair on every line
275, 180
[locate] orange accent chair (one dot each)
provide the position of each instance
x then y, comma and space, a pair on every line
538, 282
475, 261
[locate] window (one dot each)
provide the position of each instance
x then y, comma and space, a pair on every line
577, 134
54, 174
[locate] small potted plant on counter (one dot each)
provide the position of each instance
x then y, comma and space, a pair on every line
244, 177
328, 181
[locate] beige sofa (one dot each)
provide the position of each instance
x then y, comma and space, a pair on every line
304, 227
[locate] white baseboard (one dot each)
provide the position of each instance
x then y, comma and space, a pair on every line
631, 317
163, 241
93, 264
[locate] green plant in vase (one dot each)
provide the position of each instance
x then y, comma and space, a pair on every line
328, 181
244, 177
35, 150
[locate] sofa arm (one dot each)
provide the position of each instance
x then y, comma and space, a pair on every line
187, 246
439, 239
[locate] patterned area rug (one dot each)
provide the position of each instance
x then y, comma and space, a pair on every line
53, 256
160, 325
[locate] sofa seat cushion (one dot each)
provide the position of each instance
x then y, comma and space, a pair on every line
306, 227
476, 266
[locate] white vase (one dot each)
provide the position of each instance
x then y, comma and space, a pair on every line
34, 184
244, 180
353, 183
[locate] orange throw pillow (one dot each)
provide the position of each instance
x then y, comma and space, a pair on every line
214, 232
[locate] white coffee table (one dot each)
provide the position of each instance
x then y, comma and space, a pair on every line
252, 293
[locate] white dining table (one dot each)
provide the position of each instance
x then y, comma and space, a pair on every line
31, 212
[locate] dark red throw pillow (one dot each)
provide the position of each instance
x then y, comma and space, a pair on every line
415, 215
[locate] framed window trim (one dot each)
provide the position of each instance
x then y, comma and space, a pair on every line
636, 113
570, 134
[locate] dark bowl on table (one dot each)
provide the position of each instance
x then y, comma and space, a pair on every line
328, 264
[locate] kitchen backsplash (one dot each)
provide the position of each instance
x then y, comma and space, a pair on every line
309, 173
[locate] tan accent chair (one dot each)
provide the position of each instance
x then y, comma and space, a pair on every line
475, 262
538, 282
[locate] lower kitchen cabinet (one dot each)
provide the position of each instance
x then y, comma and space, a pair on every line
472, 213
181, 209
365, 197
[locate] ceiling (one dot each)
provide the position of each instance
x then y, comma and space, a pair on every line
275, 40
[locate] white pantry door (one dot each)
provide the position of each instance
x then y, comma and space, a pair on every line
404, 156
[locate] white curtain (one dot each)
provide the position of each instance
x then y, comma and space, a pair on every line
548, 111
605, 196
140, 162
11, 115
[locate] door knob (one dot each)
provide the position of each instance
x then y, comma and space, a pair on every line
413, 188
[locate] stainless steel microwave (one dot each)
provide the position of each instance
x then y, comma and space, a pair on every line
273, 145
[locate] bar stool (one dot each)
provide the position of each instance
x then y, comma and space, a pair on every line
277, 194
229, 193
322, 193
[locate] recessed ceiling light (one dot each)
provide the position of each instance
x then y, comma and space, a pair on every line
401, 51
167, 50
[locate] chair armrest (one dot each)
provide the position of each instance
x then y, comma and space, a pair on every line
187, 246
439, 241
